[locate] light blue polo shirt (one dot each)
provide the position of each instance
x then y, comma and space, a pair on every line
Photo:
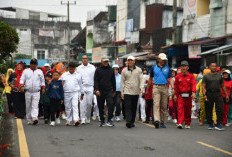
118, 82
161, 75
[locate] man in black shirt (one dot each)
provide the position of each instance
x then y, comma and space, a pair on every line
105, 87
211, 85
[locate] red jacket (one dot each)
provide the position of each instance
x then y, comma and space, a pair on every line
228, 85
149, 96
185, 83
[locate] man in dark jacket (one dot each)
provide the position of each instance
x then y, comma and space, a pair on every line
105, 87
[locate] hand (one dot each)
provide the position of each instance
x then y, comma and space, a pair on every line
122, 96
147, 93
194, 96
98, 93
62, 101
43, 91
170, 98
175, 98
205, 97
114, 94
173, 91
22, 89
82, 96
227, 98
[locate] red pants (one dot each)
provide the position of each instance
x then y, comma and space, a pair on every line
225, 113
184, 110
172, 106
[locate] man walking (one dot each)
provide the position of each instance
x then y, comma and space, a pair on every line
86, 70
161, 72
105, 87
32, 80
185, 91
211, 85
132, 85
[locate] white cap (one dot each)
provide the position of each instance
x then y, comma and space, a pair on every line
46, 65
174, 69
163, 56
115, 66
131, 58
227, 71
105, 58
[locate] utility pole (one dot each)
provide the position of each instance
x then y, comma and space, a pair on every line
174, 31
68, 21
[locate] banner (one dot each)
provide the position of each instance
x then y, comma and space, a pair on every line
46, 33
190, 9
121, 50
129, 29
96, 54
193, 51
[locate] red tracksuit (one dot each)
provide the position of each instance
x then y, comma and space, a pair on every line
184, 84
228, 85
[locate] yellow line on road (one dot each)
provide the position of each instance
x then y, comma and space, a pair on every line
146, 124
215, 148
23, 148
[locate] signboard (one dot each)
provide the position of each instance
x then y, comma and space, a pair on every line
190, 9
119, 63
229, 60
151, 63
193, 51
46, 33
129, 29
121, 50
96, 54
134, 37
88, 54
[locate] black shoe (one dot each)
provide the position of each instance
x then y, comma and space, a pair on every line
133, 125
128, 125
46, 121
110, 123
156, 124
102, 124
35, 121
146, 122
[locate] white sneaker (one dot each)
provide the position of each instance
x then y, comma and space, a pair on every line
227, 125
57, 120
117, 118
63, 116
187, 126
52, 123
88, 121
94, 118
169, 118
30, 122
68, 123
82, 122
179, 126
174, 121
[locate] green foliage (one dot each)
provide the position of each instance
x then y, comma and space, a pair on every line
22, 56
9, 41
5, 66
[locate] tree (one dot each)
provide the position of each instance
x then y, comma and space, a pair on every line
9, 41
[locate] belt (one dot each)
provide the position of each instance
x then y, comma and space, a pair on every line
160, 84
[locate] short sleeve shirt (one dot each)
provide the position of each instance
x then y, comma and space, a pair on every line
212, 81
161, 75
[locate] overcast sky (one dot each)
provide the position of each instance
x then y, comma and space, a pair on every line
78, 12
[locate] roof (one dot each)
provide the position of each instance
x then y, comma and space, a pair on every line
147, 57
13, 9
135, 54
80, 37
217, 50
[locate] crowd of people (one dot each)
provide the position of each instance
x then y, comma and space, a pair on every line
158, 94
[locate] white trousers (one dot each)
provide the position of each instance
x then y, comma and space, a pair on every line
32, 105
71, 106
86, 103
95, 107
142, 104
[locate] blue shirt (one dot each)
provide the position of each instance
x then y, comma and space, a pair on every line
161, 75
118, 82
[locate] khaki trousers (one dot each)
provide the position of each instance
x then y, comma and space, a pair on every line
160, 102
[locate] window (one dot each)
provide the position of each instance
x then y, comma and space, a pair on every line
23, 30
40, 54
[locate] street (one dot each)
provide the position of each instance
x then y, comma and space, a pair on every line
143, 140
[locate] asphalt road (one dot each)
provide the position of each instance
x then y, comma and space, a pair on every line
92, 141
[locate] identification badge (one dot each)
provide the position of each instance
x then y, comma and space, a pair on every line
185, 95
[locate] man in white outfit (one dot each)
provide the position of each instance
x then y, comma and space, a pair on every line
31, 81
86, 70
72, 89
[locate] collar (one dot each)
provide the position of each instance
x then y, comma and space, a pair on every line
84, 65
132, 68
160, 67
34, 70
183, 74
72, 73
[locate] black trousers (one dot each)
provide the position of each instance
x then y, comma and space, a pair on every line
19, 104
41, 110
108, 97
123, 109
47, 110
117, 103
10, 102
149, 108
214, 97
131, 102
55, 107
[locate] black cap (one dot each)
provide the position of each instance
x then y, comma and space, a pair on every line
34, 61
184, 63
72, 64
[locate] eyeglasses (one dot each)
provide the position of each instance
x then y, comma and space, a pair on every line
84, 58
115, 69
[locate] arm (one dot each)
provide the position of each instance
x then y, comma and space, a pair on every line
149, 82
224, 90
42, 80
113, 81
193, 87
62, 91
122, 84
23, 78
96, 85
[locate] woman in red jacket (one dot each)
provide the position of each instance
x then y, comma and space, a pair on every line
228, 85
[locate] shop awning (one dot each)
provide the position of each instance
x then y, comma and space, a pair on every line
135, 54
217, 50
